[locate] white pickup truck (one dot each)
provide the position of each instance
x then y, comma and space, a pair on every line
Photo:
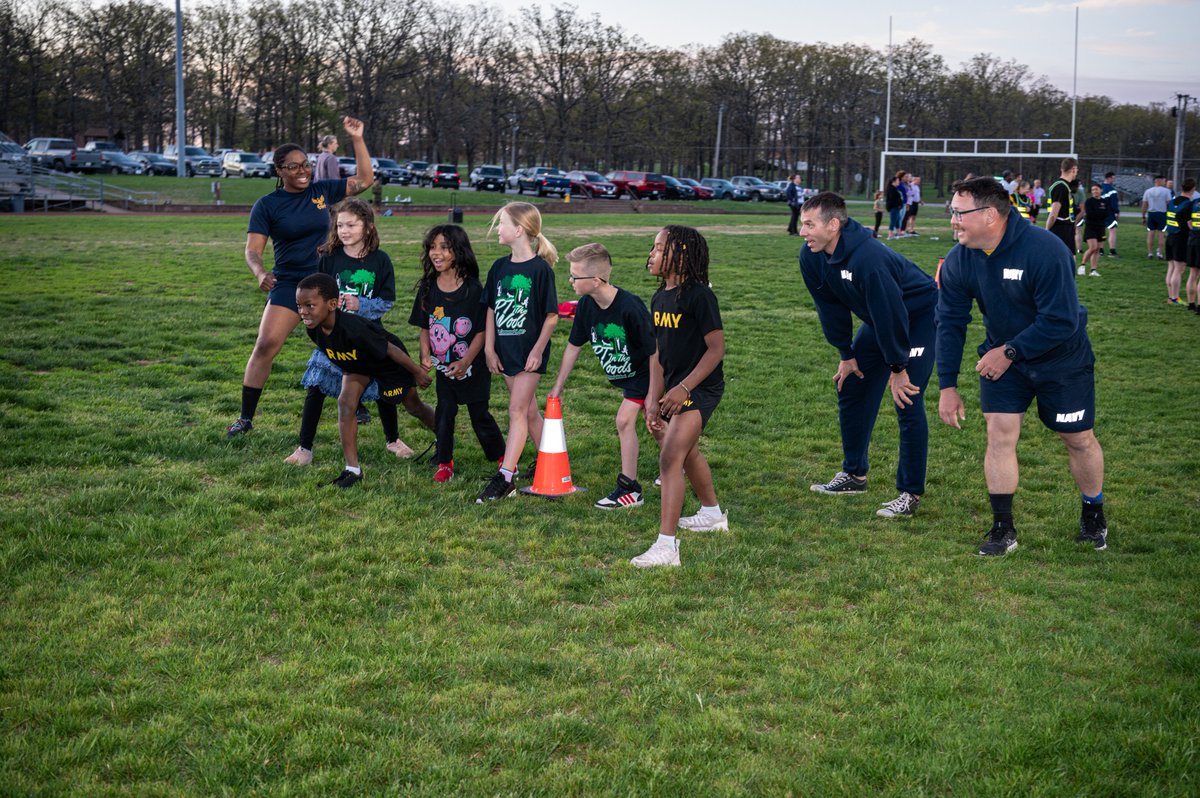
62, 155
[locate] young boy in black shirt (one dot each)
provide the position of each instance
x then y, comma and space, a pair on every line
364, 351
617, 325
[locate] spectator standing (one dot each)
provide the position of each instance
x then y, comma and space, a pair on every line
1095, 216
894, 200
1179, 217
1038, 195
1061, 218
914, 204
1108, 193
1154, 216
327, 162
795, 198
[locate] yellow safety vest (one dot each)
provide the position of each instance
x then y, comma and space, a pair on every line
1070, 200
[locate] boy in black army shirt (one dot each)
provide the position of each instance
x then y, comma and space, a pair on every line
364, 351
617, 325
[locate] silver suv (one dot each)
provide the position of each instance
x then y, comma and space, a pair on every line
757, 188
243, 164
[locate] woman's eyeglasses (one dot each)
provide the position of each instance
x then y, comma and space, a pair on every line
295, 167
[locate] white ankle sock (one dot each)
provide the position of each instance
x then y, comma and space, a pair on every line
354, 469
667, 539
714, 510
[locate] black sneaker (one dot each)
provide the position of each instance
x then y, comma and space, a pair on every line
628, 493
1093, 529
1112, 253
903, 506
497, 488
346, 479
363, 415
1001, 540
239, 427
841, 485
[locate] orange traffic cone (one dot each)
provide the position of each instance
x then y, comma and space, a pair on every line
553, 475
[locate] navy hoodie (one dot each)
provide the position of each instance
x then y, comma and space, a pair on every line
1026, 293
866, 278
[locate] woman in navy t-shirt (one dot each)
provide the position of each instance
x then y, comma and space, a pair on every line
296, 219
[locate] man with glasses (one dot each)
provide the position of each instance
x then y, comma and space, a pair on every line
851, 273
618, 326
1036, 346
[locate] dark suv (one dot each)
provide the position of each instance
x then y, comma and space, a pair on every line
638, 185
443, 175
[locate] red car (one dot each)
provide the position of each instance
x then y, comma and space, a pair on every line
591, 184
637, 184
702, 192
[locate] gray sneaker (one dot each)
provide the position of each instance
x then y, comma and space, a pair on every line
903, 506
1002, 538
841, 485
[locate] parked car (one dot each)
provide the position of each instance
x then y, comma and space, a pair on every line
487, 176
702, 192
591, 184
723, 189
102, 146
516, 176
677, 189
220, 154
418, 171
116, 162
196, 160
544, 180
757, 189
638, 185
444, 175
243, 164
153, 163
61, 154
12, 153
347, 167
388, 171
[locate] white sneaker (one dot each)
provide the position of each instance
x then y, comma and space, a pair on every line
400, 449
658, 555
1081, 271
706, 522
1094, 273
300, 457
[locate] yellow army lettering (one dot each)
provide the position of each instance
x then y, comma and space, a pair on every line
393, 392
351, 355
662, 319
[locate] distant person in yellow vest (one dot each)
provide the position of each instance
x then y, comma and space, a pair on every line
1060, 218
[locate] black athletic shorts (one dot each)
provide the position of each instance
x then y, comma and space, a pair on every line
704, 400
636, 387
1176, 248
1193, 252
1066, 233
1093, 232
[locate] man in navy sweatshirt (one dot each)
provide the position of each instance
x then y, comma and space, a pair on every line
851, 273
1036, 346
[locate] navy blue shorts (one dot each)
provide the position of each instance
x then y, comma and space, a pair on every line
284, 294
1066, 398
1156, 220
636, 387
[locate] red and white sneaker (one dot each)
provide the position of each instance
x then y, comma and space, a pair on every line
445, 472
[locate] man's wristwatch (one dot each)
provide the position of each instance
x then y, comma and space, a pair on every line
1009, 352
897, 368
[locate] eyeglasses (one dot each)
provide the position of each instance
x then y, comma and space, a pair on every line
956, 214
294, 167
572, 278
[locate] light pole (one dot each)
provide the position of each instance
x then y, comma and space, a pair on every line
716, 171
1181, 107
180, 134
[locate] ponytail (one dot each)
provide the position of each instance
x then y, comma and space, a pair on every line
545, 250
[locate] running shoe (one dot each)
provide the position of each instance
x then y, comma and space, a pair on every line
1002, 538
239, 427
445, 472
346, 479
658, 555
300, 457
400, 449
363, 415
1093, 529
497, 488
705, 522
1094, 273
628, 493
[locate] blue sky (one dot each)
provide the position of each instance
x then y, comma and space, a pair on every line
1135, 51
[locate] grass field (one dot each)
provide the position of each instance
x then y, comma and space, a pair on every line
185, 616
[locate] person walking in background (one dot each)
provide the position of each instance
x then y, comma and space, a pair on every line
880, 210
327, 162
1112, 200
1154, 216
1035, 346
1095, 217
1038, 196
1060, 219
795, 198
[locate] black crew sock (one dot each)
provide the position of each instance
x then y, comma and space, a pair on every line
250, 398
1001, 508
1092, 508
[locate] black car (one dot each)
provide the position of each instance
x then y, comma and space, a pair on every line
488, 176
153, 163
678, 190
388, 171
443, 175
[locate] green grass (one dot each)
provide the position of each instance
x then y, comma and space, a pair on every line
185, 616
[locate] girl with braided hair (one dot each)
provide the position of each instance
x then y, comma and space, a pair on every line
686, 375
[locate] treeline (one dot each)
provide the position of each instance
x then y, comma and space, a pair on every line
472, 85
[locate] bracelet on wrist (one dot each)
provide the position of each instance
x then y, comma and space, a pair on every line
686, 390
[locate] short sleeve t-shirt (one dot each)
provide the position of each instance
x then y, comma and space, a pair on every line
620, 334
1061, 193
297, 223
453, 319
360, 346
682, 317
521, 296
1156, 199
371, 277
